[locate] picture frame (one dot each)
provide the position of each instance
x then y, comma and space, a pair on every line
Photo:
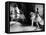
25, 9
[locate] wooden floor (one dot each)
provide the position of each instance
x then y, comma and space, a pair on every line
17, 27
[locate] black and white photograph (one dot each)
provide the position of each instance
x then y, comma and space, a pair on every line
24, 17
